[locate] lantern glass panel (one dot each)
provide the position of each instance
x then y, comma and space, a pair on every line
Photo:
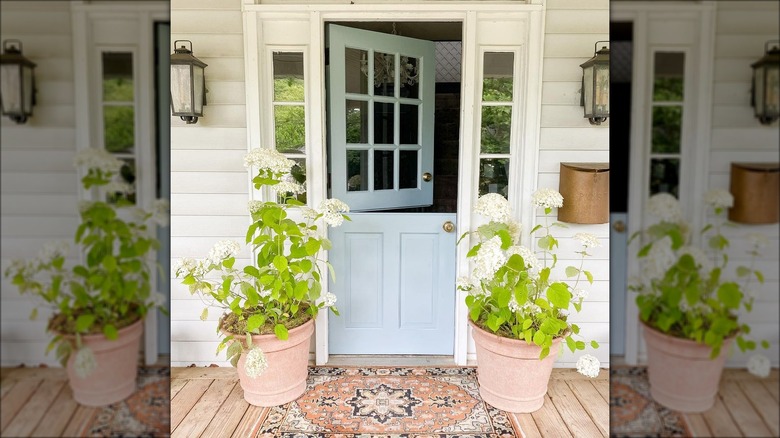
181, 88
11, 88
772, 90
587, 90
27, 83
759, 92
198, 90
601, 107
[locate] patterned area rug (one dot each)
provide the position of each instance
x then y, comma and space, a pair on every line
403, 402
146, 413
633, 413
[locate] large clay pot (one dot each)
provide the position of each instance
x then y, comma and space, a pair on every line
511, 376
114, 377
285, 378
682, 376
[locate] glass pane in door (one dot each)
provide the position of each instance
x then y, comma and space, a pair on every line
384, 170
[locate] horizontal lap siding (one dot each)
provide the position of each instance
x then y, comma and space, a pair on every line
209, 184
738, 136
39, 184
571, 30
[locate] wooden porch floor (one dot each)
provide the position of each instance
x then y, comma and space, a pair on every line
208, 402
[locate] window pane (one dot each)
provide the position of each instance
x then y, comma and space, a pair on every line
667, 126
117, 77
496, 127
384, 123
357, 121
290, 128
119, 128
410, 77
357, 170
409, 118
664, 175
408, 173
288, 77
493, 175
356, 71
298, 172
668, 76
497, 77
126, 175
384, 74
384, 170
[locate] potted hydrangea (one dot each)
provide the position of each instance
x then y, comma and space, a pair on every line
271, 303
519, 313
689, 308
99, 305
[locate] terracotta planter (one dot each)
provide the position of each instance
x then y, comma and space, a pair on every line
114, 378
682, 375
285, 378
511, 376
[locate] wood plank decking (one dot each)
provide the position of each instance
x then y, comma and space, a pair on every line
209, 402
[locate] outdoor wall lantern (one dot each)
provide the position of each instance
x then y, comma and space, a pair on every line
595, 85
188, 83
17, 82
766, 84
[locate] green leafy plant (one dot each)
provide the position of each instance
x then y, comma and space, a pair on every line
510, 291
112, 288
282, 286
683, 290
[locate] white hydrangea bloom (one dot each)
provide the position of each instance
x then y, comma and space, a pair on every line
268, 159
329, 299
588, 240
288, 184
562, 313
757, 240
332, 210
530, 308
84, 362
515, 228
489, 259
52, 250
588, 366
187, 266
547, 198
759, 365
156, 299
85, 205
256, 363
98, 159
530, 259
660, 258
719, 198
580, 294
118, 187
254, 206
664, 206
308, 213
222, 250
464, 283
493, 206
513, 306
161, 212
699, 256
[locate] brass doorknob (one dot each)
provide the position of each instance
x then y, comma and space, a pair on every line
448, 227
619, 226
427, 176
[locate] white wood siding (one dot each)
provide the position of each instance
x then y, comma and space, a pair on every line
39, 183
742, 28
210, 188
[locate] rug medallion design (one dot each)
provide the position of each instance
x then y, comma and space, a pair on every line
405, 402
634, 413
146, 413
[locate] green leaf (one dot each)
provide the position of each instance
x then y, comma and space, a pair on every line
594, 344
280, 263
539, 338
312, 246
759, 276
559, 295
742, 271
527, 323
251, 270
571, 344
589, 276
535, 228
765, 344
281, 332
34, 313
254, 322
84, 322
575, 329
204, 314
729, 295
110, 332
571, 271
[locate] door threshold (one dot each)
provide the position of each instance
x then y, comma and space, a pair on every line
392, 360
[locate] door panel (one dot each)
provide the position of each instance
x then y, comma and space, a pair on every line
381, 104
395, 283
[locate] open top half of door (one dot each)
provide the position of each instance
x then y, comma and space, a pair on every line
381, 104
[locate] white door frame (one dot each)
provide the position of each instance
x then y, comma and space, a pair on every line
530, 27
696, 130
